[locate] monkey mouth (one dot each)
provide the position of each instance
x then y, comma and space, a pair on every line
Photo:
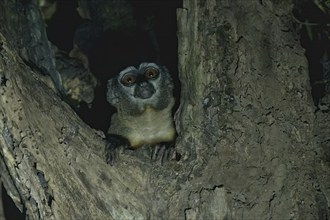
144, 92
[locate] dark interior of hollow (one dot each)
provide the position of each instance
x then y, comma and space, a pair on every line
115, 50
10, 210
314, 37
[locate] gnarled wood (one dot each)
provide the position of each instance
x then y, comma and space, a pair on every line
246, 128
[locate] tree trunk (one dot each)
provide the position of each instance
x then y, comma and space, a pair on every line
246, 115
246, 130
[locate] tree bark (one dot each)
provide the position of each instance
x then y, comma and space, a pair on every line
246, 131
247, 116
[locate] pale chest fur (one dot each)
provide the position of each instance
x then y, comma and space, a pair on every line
149, 128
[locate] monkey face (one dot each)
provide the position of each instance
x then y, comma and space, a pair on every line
141, 81
136, 88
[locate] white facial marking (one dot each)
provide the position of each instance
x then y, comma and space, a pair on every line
127, 70
143, 65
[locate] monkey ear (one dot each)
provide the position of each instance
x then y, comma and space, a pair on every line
112, 96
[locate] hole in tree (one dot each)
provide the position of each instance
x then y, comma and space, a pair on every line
314, 18
9, 207
120, 34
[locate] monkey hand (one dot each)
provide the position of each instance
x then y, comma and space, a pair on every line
114, 146
160, 153
163, 152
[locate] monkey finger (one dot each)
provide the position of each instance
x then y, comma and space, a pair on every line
164, 156
161, 154
154, 152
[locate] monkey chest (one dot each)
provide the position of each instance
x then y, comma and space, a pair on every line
149, 128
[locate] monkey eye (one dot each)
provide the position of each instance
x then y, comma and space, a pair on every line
151, 73
128, 79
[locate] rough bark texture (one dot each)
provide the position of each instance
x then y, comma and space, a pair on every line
246, 128
23, 24
248, 114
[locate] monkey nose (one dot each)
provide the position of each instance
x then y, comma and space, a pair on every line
143, 84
